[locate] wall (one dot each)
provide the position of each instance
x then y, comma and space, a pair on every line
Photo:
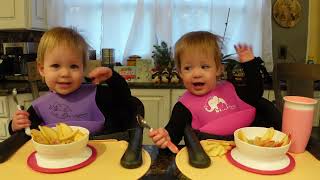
314, 29
295, 38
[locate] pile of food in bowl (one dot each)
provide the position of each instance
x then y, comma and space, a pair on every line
59, 141
262, 143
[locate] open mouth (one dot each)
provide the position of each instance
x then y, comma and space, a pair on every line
198, 84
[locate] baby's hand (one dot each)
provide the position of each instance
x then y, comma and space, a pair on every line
20, 120
100, 74
162, 139
244, 52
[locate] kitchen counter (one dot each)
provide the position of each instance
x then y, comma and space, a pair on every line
23, 85
150, 85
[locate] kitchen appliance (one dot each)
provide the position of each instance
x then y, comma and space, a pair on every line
6, 66
16, 56
20, 48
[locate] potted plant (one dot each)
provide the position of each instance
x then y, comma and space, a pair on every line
162, 56
163, 61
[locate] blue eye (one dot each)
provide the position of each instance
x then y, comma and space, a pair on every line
205, 66
187, 68
74, 66
55, 65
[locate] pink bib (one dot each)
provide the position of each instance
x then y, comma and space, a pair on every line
220, 111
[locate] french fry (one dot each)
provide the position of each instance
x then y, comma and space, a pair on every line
216, 148
222, 151
228, 148
257, 141
78, 136
70, 136
62, 134
38, 137
215, 152
270, 143
242, 136
223, 142
64, 131
50, 134
266, 139
285, 140
268, 134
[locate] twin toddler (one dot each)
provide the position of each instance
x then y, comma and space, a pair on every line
208, 105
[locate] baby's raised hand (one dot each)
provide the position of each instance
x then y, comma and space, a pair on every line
244, 52
100, 74
162, 139
20, 120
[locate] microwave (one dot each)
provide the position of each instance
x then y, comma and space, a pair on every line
20, 48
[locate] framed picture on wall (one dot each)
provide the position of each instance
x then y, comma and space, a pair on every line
287, 13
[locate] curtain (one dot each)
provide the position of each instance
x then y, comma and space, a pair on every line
134, 26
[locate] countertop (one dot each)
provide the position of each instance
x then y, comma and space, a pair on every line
23, 85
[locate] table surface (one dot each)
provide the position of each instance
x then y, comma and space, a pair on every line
162, 167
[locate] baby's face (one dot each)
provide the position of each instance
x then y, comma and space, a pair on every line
198, 72
62, 70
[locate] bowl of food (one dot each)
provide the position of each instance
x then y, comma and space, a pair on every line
262, 144
61, 141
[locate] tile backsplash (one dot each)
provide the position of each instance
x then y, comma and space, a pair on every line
19, 36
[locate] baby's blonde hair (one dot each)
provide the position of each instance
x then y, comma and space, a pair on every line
62, 36
199, 41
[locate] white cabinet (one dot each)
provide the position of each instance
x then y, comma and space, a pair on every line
175, 95
269, 94
4, 128
157, 107
23, 14
23, 99
4, 110
158, 104
4, 117
8, 108
266, 94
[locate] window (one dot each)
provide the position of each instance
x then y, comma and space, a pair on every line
134, 26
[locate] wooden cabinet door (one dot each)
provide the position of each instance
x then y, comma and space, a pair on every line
4, 134
12, 14
4, 117
4, 110
23, 14
38, 14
